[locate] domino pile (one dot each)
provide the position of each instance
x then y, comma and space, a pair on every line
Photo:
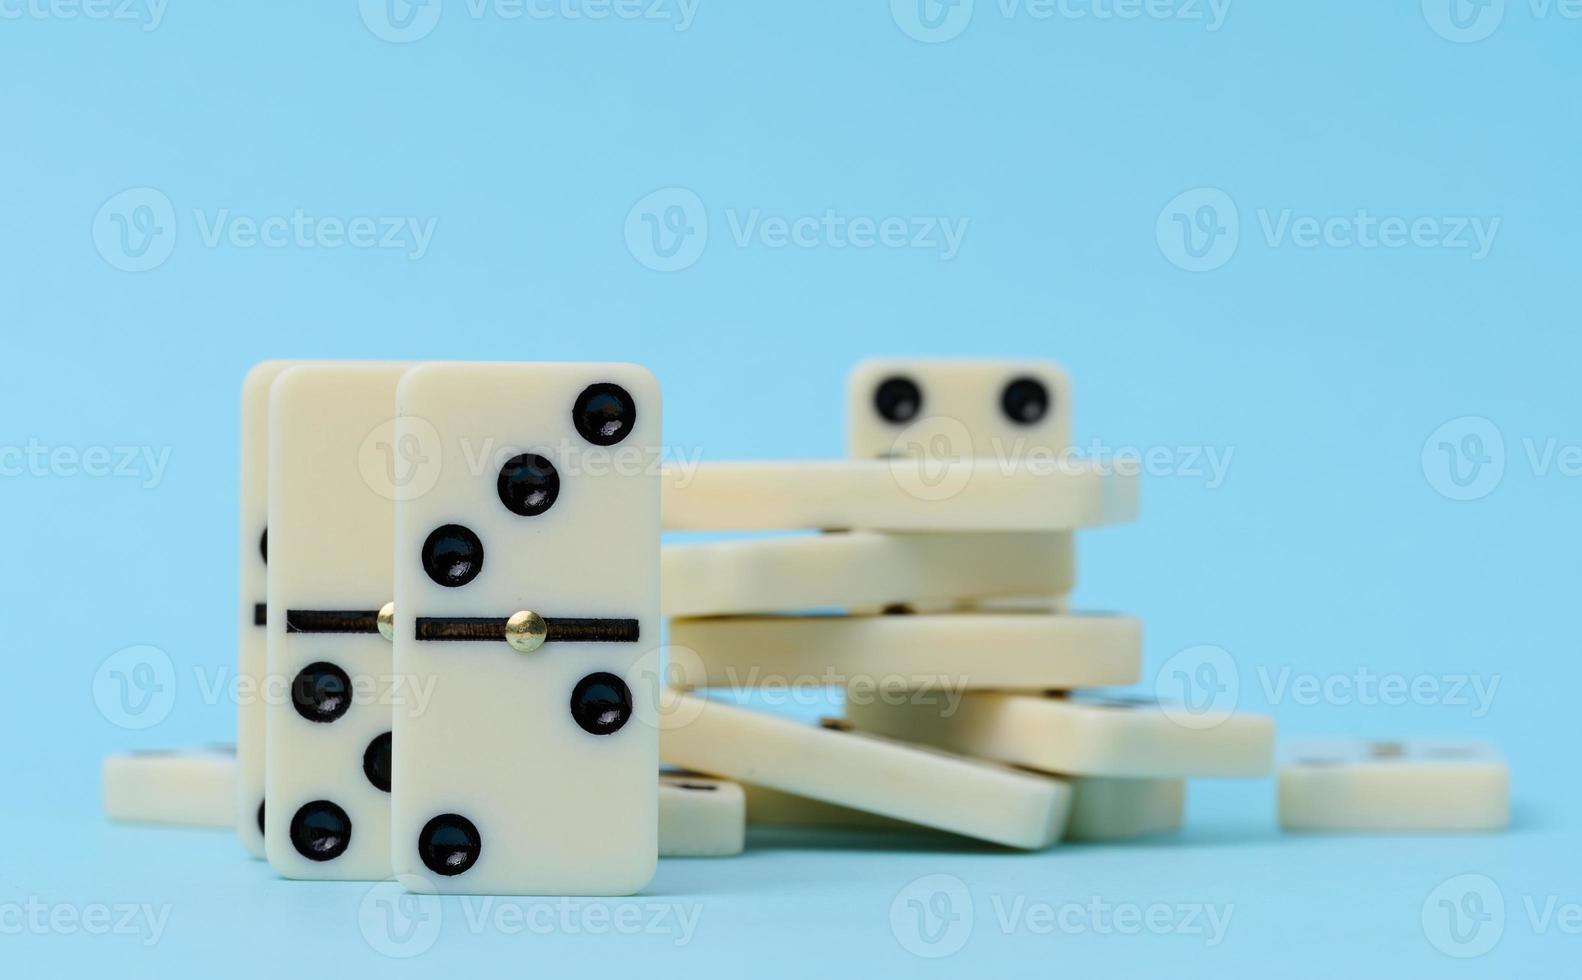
941, 609
452, 669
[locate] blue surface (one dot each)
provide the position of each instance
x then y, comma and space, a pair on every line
1078, 150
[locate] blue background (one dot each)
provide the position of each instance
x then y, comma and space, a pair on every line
1325, 370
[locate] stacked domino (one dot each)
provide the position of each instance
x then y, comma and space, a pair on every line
940, 608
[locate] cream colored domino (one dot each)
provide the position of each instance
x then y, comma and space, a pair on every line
773, 807
861, 771
1101, 810
252, 657
1001, 410
1357, 785
195, 788
996, 409
1078, 736
700, 816
952, 651
861, 568
528, 589
333, 471
911, 494
1104, 809
1048, 604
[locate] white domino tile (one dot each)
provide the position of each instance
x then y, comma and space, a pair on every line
1076, 735
1387, 786
955, 651
877, 775
862, 569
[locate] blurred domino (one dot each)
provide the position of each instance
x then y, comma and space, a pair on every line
528, 589
993, 409
1358, 785
771, 807
252, 657
1077, 736
903, 494
331, 514
948, 792
1025, 651
1104, 809
1000, 410
700, 816
861, 568
195, 788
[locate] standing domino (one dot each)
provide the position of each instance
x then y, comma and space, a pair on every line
980, 408
1001, 410
252, 658
327, 774
527, 586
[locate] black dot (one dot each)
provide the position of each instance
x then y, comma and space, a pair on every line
601, 703
321, 831
697, 787
449, 844
898, 399
260, 816
1025, 401
604, 414
321, 692
263, 546
376, 762
452, 555
528, 485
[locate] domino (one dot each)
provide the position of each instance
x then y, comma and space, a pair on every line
771, 807
195, 788
527, 586
700, 816
865, 772
252, 657
903, 494
1106, 810
1358, 785
997, 409
327, 731
861, 569
1077, 736
1102, 810
971, 651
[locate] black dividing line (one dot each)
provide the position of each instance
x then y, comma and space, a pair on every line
331, 621
260, 615
560, 630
